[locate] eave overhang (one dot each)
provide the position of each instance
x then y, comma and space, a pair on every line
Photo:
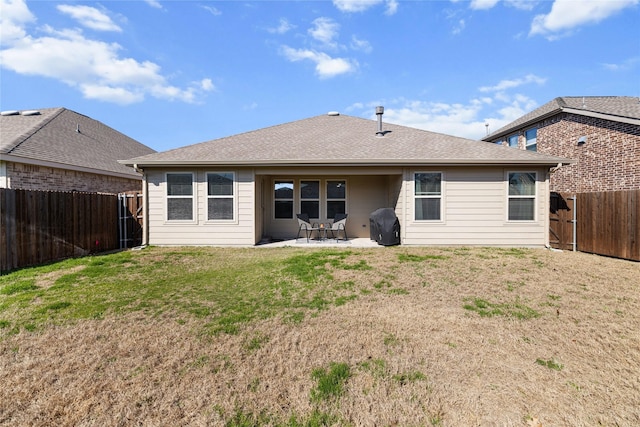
537, 119
347, 163
56, 165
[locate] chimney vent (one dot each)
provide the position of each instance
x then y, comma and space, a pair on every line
379, 113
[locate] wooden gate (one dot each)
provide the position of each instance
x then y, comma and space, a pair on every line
562, 219
130, 219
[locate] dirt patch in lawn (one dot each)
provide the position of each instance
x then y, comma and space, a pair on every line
443, 337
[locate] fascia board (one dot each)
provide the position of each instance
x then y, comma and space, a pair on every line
376, 163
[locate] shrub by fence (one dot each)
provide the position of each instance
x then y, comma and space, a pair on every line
42, 226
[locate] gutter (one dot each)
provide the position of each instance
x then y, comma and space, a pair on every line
364, 163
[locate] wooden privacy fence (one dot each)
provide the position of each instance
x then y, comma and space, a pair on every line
42, 226
605, 223
608, 223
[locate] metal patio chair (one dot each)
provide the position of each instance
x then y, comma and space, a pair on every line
305, 225
339, 224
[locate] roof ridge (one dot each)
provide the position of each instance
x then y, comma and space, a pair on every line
36, 128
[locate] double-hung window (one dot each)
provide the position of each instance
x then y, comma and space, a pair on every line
336, 197
310, 198
220, 196
513, 141
283, 199
180, 196
522, 196
531, 138
428, 196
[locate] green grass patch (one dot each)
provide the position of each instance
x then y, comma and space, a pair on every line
224, 291
17, 287
406, 257
329, 383
550, 363
376, 367
514, 309
409, 377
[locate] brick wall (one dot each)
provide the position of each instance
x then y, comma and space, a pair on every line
31, 177
609, 160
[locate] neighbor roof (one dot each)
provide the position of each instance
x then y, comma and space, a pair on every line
63, 138
342, 140
624, 109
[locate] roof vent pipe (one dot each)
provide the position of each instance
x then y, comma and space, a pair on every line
379, 113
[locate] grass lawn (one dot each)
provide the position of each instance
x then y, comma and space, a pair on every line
312, 337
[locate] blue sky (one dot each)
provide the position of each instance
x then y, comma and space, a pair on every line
174, 73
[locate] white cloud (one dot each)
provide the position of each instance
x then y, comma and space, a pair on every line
96, 68
392, 7
510, 84
154, 3
351, 6
482, 4
117, 95
523, 4
566, 15
213, 10
466, 120
625, 65
206, 85
360, 45
326, 66
325, 30
490, 4
15, 15
89, 17
283, 27
460, 27
451, 119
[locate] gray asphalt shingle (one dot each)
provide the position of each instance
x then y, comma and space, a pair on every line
63, 136
342, 140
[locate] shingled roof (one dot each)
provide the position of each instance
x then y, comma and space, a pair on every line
63, 138
332, 139
624, 109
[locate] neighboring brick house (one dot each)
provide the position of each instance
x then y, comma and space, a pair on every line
59, 149
602, 133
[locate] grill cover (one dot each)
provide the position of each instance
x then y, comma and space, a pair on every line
384, 227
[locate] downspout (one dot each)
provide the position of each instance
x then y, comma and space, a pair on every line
145, 204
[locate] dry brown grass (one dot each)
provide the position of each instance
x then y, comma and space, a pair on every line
417, 357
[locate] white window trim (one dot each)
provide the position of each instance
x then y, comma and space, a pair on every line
274, 200
441, 197
234, 197
534, 197
319, 199
194, 195
323, 204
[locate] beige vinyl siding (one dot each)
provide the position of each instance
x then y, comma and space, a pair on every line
239, 231
475, 203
